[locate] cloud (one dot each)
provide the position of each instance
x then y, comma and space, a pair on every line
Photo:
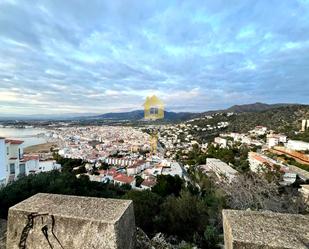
99, 56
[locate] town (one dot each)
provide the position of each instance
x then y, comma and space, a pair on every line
124, 155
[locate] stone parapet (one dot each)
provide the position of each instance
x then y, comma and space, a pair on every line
265, 230
59, 221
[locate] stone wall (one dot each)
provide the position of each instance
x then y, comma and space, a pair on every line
265, 230
58, 221
2, 233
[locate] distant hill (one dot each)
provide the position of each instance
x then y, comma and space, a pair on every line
139, 115
256, 107
182, 116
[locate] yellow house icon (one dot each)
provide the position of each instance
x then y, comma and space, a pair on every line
153, 108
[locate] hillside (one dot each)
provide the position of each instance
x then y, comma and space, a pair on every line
281, 119
256, 107
181, 116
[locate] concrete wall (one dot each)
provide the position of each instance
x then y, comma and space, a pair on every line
60, 221
265, 230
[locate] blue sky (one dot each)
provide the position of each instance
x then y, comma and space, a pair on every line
72, 56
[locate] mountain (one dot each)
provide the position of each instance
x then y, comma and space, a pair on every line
139, 115
255, 107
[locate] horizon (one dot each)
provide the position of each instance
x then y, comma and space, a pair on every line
82, 114
78, 57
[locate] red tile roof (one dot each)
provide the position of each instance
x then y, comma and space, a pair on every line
12, 141
27, 158
110, 172
124, 178
149, 183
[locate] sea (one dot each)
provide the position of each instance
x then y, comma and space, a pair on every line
30, 136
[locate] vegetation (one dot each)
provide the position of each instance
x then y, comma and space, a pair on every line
237, 156
188, 211
172, 208
304, 136
53, 182
146, 208
258, 192
168, 185
67, 163
139, 180
182, 212
284, 119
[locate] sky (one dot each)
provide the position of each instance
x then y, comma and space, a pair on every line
73, 56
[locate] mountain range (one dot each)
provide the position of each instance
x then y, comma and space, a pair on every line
139, 114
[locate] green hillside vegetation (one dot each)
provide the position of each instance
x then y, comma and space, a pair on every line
283, 119
303, 136
172, 208
286, 119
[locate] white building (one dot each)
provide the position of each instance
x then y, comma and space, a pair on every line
259, 130
275, 139
222, 142
45, 166
221, 169
11, 154
173, 169
297, 145
3, 161
13, 163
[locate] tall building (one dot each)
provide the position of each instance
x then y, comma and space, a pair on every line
305, 125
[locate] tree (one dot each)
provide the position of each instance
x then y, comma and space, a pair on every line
104, 166
138, 180
254, 191
186, 209
54, 182
167, 185
188, 217
146, 208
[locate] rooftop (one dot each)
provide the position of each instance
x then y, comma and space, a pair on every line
13, 141
220, 165
124, 178
27, 158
